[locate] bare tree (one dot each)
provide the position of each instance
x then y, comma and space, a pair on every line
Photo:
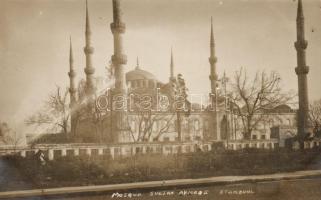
14, 139
143, 113
4, 131
146, 121
180, 94
9, 136
254, 98
98, 120
110, 70
55, 113
315, 116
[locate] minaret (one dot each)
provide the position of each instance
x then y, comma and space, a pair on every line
72, 90
72, 75
137, 63
89, 50
119, 59
213, 60
302, 71
213, 78
172, 77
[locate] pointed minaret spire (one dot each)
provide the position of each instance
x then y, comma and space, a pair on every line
213, 78
212, 44
87, 19
300, 22
89, 50
172, 66
137, 63
300, 10
212, 60
302, 70
72, 75
71, 58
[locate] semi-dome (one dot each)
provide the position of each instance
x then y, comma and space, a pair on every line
283, 108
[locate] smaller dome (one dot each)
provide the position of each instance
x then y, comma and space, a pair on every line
139, 74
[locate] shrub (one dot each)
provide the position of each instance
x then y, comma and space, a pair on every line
100, 170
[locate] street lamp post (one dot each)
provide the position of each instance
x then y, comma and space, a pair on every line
215, 113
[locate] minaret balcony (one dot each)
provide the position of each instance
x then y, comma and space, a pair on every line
118, 27
72, 74
302, 70
213, 77
212, 60
72, 90
88, 50
87, 32
119, 59
89, 70
301, 44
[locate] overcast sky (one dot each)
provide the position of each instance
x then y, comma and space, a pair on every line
255, 34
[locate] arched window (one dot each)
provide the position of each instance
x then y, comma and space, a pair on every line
197, 125
143, 125
151, 83
224, 127
158, 125
206, 125
155, 127
133, 125
288, 122
163, 123
185, 125
174, 125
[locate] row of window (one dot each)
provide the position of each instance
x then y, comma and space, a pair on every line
187, 139
255, 145
255, 137
194, 125
142, 84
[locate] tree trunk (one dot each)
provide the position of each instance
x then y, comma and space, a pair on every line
178, 124
247, 135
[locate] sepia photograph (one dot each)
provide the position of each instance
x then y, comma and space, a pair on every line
160, 99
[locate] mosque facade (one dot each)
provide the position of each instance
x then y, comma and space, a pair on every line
139, 108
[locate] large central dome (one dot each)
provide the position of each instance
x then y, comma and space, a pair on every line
139, 74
